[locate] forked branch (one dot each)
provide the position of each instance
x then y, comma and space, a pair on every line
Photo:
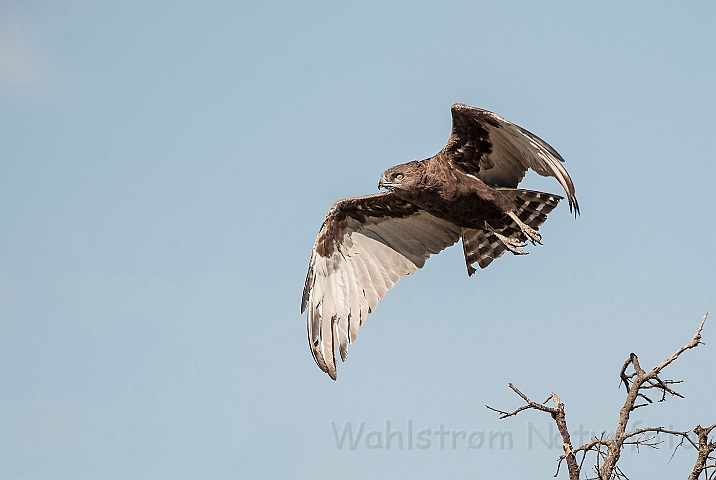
557, 413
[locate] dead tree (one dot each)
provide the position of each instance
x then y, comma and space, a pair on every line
639, 384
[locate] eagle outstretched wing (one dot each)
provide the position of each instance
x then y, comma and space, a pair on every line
365, 245
499, 153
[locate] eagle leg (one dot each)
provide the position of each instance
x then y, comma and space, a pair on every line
531, 234
512, 244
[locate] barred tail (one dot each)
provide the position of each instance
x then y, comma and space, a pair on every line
482, 246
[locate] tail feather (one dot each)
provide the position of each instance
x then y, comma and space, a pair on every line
481, 246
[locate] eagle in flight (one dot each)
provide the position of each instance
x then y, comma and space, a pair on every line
466, 191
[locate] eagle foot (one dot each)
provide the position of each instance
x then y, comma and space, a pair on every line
529, 232
512, 244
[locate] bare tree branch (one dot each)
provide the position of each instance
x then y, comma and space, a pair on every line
635, 383
705, 448
608, 450
558, 415
641, 431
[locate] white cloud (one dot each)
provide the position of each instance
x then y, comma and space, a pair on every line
18, 66
25, 70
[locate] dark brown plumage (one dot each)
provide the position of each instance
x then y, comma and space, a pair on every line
466, 191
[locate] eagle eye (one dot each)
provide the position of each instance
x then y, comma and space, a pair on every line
399, 177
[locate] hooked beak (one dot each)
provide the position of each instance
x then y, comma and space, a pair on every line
383, 183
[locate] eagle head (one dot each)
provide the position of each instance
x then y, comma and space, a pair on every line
400, 177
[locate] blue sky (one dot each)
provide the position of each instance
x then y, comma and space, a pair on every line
165, 168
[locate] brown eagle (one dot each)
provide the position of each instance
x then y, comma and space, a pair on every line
466, 191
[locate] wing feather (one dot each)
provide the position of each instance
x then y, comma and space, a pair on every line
365, 287
372, 263
366, 244
396, 239
499, 153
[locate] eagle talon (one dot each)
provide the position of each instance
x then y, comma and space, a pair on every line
532, 235
512, 244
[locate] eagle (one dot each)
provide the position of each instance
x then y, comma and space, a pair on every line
467, 191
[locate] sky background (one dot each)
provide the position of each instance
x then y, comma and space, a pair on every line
164, 170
